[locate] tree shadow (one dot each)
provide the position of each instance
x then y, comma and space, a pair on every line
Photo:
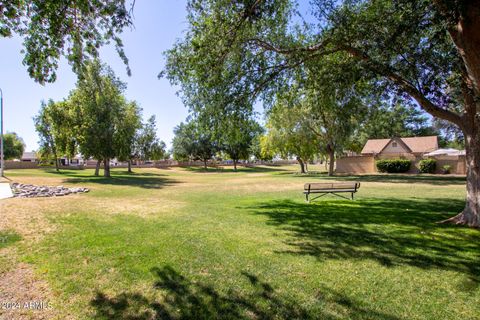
392, 232
146, 180
389, 178
186, 299
229, 169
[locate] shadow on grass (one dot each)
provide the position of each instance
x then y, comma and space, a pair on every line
186, 299
389, 178
392, 232
147, 180
229, 169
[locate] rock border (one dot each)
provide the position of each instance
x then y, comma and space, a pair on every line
21, 190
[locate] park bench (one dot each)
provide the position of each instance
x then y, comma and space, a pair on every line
330, 188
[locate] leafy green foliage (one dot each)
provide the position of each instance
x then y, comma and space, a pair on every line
13, 147
56, 124
236, 136
61, 28
393, 166
125, 140
289, 135
97, 121
100, 108
260, 150
44, 127
10, 14
193, 142
427, 165
390, 121
147, 145
446, 169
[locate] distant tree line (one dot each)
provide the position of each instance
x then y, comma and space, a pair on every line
201, 139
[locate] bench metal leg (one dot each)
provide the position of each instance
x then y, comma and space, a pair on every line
338, 195
324, 194
309, 200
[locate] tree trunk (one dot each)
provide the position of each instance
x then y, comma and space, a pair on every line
470, 215
106, 167
331, 160
306, 166
302, 165
234, 165
465, 33
97, 168
56, 164
205, 164
129, 165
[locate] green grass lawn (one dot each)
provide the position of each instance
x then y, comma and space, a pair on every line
189, 244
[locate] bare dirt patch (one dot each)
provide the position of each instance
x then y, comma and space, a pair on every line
23, 295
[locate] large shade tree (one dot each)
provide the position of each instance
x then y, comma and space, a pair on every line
147, 145
235, 136
128, 129
289, 135
192, 141
56, 125
100, 109
422, 51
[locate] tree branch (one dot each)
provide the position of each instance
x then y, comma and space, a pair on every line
406, 86
270, 47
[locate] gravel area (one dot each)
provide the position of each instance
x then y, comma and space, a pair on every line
21, 190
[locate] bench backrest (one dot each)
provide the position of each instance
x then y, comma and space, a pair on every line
330, 186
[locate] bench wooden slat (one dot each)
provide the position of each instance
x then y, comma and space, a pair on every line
329, 190
340, 185
330, 187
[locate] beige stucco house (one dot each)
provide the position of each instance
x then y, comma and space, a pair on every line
412, 147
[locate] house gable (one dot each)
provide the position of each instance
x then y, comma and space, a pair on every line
413, 145
395, 146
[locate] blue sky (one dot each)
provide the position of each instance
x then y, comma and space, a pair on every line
157, 24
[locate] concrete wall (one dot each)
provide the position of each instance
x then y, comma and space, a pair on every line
457, 163
20, 165
356, 164
366, 164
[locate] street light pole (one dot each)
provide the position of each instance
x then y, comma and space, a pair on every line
2, 162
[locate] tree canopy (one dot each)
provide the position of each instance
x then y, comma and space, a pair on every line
147, 145
193, 142
97, 121
52, 29
13, 146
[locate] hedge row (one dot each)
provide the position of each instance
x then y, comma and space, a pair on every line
428, 165
393, 166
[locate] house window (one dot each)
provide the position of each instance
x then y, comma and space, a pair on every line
394, 144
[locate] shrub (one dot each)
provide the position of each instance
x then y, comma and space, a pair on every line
428, 165
393, 166
446, 169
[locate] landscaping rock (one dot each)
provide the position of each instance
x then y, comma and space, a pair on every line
21, 190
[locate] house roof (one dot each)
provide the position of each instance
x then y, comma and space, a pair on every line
415, 144
375, 145
29, 155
